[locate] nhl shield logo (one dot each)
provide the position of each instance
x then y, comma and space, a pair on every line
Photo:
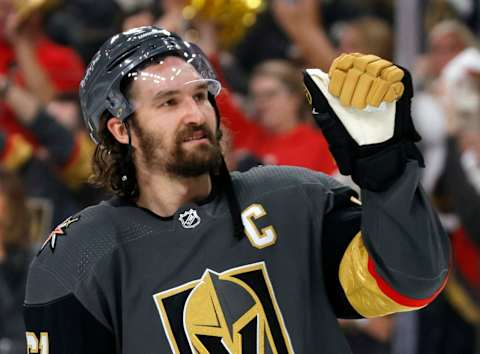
189, 219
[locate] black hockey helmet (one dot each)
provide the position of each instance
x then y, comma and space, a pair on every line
100, 89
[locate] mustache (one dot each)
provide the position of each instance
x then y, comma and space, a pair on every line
193, 129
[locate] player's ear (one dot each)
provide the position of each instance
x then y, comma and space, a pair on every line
118, 129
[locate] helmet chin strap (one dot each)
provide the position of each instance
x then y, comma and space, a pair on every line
129, 148
227, 184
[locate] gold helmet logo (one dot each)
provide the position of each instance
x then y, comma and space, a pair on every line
231, 312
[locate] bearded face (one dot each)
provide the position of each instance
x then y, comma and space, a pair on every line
177, 159
175, 122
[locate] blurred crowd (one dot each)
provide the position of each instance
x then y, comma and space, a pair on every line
258, 49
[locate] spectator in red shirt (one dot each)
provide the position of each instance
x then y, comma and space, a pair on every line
35, 74
29, 58
279, 135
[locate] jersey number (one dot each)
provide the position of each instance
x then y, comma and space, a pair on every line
37, 346
259, 238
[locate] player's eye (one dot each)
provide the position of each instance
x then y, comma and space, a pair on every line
169, 102
200, 96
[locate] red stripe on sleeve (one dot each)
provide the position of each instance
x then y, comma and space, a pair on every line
395, 295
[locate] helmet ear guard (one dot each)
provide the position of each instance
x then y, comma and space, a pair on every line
119, 107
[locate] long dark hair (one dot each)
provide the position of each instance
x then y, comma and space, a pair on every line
112, 163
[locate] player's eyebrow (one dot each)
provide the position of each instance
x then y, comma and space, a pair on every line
202, 86
163, 94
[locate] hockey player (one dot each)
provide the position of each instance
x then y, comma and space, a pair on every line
191, 259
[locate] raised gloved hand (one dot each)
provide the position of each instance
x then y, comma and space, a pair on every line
363, 108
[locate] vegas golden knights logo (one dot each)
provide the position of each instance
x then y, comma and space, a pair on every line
234, 312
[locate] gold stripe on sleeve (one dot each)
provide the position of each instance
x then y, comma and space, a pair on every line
360, 287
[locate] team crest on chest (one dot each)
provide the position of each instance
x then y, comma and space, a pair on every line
189, 219
232, 312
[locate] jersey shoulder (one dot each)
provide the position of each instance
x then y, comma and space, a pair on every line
73, 248
77, 231
272, 178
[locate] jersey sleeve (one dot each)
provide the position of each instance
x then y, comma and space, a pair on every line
63, 324
397, 255
66, 307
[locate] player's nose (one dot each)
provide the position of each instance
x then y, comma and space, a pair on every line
193, 113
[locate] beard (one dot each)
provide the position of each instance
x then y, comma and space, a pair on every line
179, 161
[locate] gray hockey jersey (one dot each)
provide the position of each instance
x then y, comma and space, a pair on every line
117, 278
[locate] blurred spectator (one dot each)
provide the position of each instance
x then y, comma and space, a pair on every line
138, 17
269, 40
302, 21
44, 67
272, 40
279, 135
466, 11
172, 17
445, 41
83, 24
366, 34
30, 59
52, 161
56, 168
15, 256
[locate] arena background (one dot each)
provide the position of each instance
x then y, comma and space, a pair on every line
45, 151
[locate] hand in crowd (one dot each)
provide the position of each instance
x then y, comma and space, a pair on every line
172, 18
202, 32
296, 16
301, 20
207, 36
17, 29
22, 33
